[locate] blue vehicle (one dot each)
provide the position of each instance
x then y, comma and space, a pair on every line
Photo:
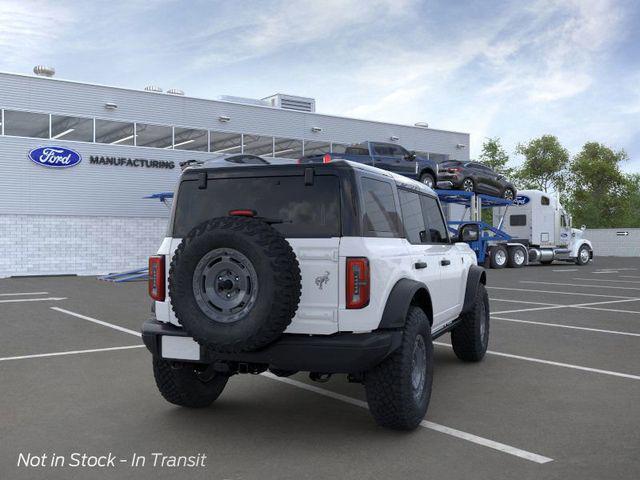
387, 156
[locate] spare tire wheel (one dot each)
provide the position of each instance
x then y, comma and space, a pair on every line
234, 284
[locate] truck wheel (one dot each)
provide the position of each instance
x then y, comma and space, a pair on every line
584, 255
517, 257
234, 284
498, 256
471, 337
398, 389
428, 180
182, 384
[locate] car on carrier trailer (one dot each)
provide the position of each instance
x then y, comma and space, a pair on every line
323, 268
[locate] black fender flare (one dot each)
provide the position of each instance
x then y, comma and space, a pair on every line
476, 276
400, 299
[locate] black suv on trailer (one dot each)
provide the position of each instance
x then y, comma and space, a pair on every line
475, 177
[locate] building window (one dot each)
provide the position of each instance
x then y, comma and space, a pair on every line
287, 148
339, 148
190, 139
71, 128
157, 136
316, 148
26, 124
226, 142
257, 145
115, 133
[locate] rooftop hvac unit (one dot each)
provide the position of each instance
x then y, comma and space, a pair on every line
175, 91
44, 71
291, 102
153, 88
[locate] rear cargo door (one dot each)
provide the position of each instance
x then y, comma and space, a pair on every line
318, 308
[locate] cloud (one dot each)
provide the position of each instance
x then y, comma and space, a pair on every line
30, 29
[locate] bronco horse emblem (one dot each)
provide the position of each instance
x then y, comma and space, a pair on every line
322, 279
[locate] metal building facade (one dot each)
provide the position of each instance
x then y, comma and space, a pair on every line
51, 219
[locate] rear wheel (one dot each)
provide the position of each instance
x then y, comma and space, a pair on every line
186, 384
398, 390
517, 257
468, 185
498, 256
428, 180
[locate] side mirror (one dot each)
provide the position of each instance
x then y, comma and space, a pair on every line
583, 228
410, 156
469, 232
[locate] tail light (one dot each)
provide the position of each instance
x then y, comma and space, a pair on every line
326, 158
358, 282
156, 278
242, 213
454, 170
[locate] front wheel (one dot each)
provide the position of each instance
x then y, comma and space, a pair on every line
398, 389
428, 180
186, 385
584, 255
470, 338
508, 194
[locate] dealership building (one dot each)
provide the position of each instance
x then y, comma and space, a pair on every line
112, 147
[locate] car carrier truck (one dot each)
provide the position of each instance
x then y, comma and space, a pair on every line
534, 228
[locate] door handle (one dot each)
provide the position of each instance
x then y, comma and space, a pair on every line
419, 265
444, 263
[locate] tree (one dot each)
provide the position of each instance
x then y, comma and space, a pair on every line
545, 164
600, 195
494, 156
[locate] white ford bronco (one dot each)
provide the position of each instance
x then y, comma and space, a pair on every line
325, 268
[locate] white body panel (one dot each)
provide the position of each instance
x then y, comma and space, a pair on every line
322, 309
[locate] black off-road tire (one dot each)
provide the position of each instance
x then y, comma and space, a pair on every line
278, 280
388, 386
469, 339
495, 258
181, 385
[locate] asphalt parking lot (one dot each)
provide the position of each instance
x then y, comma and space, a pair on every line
556, 397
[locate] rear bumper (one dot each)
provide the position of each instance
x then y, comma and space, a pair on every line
338, 353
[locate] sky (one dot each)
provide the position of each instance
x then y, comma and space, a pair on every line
509, 69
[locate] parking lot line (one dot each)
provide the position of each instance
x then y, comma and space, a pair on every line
69, 352
521, 301
18, 300
556, 364
577, 305
533, 457
533, 309
581, 285
606, 280
573, 327
99, 322
629, 276
24, 293
567, 270
632, 312
560, 293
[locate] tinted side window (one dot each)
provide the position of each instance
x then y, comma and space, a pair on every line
412, 217
382, 150
436, 228
380, 213
518, 220
544, 201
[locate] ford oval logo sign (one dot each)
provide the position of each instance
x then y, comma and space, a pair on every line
55, 157
521, 200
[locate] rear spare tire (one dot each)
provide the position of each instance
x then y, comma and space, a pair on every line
234, 284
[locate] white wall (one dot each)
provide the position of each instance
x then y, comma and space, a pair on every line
608, 243
54, 244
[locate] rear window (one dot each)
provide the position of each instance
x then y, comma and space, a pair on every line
305, 210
